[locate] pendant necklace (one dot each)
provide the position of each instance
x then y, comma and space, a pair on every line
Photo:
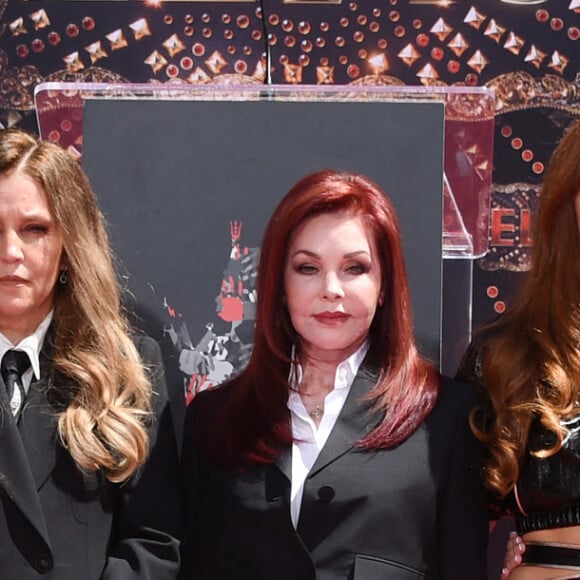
316, 412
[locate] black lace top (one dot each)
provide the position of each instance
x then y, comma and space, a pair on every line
547, 494
548, 491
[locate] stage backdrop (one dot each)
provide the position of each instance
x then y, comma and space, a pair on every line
188, 187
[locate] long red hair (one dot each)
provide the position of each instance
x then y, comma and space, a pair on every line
531, 356
254, 423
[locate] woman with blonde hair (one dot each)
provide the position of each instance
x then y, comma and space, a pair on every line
528, 363
86, 442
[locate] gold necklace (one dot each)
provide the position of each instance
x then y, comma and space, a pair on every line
314, 408
317, 411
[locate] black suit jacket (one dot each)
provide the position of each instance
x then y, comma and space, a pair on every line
415, 511
57, 523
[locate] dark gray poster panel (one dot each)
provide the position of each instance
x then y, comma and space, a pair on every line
188, 187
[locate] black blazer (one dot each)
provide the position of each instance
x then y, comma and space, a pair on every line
57, 523
415, 511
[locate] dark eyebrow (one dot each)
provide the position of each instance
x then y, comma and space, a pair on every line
354, 254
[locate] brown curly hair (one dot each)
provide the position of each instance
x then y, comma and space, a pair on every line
530, 366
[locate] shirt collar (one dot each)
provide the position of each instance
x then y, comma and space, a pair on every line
31, 345
345, 372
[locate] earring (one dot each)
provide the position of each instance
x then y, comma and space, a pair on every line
63, 278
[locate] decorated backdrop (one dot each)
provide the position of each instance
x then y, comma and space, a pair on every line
528, 51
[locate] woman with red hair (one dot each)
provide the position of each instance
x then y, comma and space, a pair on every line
338, 452
528, 364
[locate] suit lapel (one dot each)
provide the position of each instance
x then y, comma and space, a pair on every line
16, 478
37, 428
355, 420
38, 422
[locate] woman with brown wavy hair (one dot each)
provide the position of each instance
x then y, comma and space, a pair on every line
338, 452
86, 445
528, 362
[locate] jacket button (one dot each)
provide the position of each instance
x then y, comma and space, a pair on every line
44, 563
326, 493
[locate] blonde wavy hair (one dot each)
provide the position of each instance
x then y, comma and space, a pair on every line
104, 423
531, 363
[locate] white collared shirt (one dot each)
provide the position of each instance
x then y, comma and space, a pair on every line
31, 345
308, 439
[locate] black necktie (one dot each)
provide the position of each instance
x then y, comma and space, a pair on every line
14, 364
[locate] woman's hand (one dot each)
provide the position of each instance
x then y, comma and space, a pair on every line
513, 555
